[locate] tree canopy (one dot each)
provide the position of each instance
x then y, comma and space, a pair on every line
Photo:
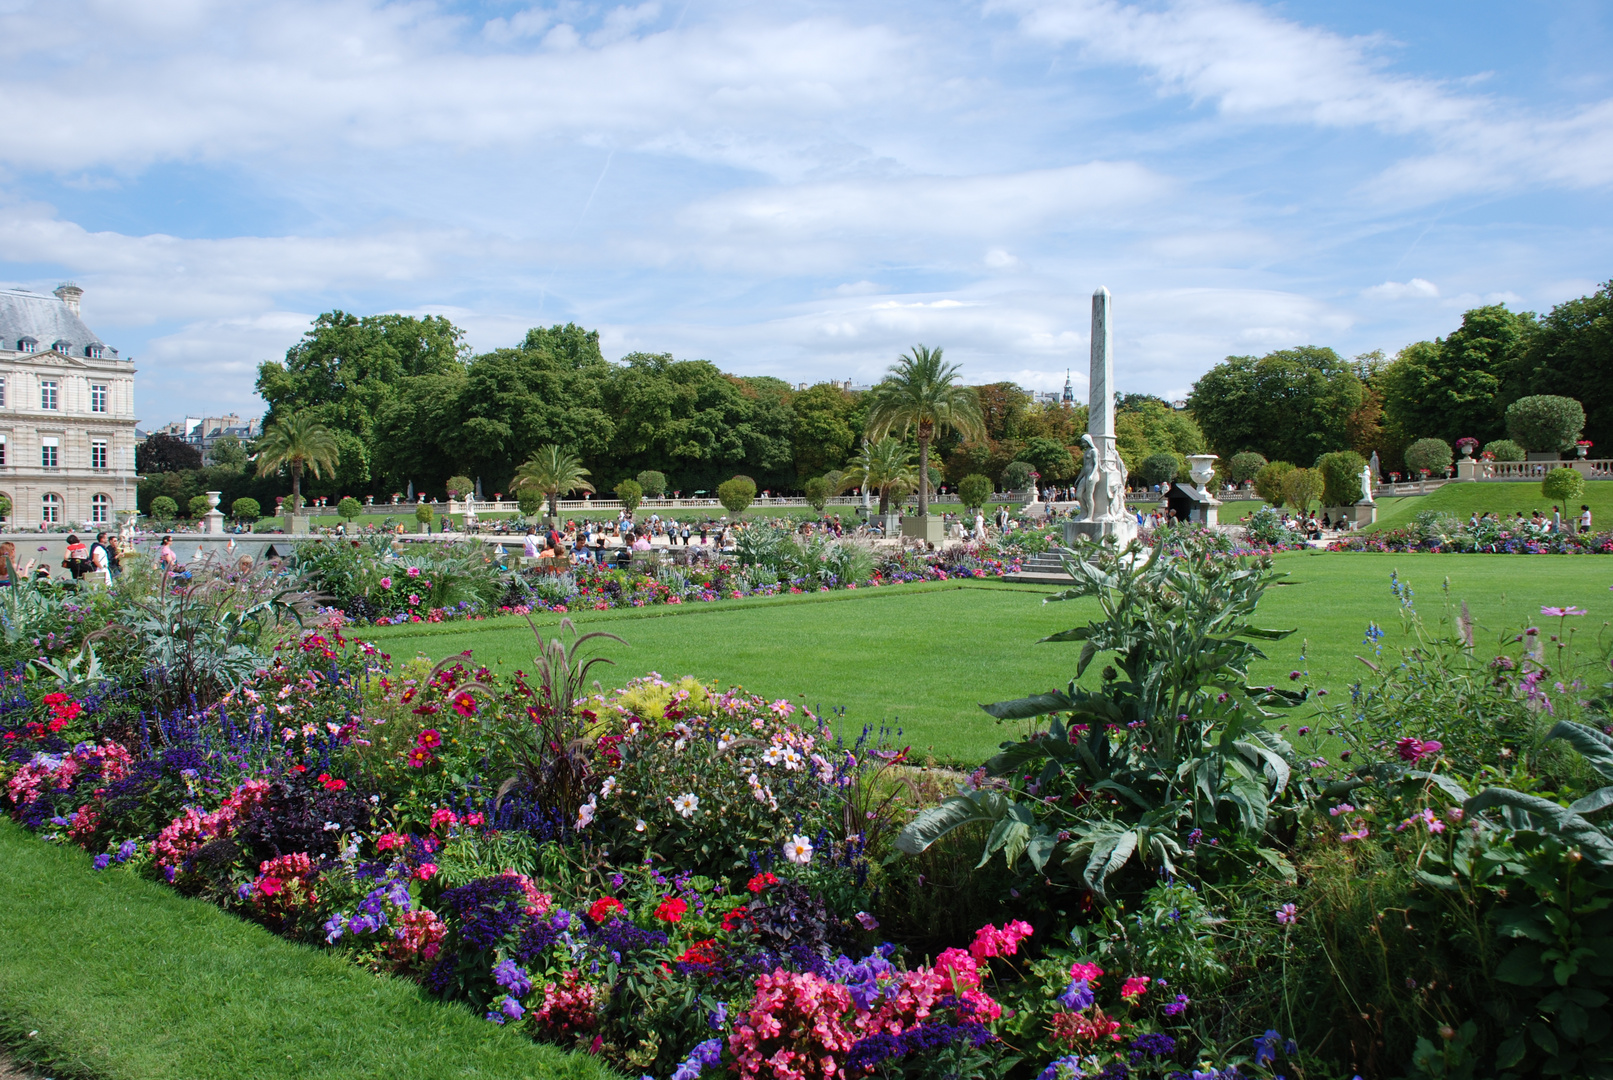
1290, 405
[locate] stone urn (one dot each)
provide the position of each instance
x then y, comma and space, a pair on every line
1202, 468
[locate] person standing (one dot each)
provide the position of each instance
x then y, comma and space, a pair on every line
1556, 519
1584, 518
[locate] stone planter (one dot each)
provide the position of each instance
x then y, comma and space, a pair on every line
931, 528
1359, 516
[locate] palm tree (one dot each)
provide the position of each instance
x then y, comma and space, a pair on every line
885, 467
922, 392
297, 442
554, 472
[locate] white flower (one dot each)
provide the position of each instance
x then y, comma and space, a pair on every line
607, 787
792, 760
639, 826
798, 849
682, 731
585, 814
686, 804
773, 754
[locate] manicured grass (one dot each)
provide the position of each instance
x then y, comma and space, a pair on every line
923, 657
1502, 497
122, 978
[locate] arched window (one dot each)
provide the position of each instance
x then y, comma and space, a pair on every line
50, 509
100, 509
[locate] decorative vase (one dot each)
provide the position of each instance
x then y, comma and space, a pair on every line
1202, 468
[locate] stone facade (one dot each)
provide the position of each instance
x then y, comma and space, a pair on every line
66, 415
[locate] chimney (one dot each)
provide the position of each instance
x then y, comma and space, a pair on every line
69, 294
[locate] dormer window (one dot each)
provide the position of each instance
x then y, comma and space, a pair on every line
93, 352
26, 344
63, 347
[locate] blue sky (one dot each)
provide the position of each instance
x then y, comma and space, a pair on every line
803, 190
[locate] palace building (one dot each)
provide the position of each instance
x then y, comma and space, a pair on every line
66, 415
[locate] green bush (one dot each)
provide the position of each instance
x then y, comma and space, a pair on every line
816, 491
1545, 423
974, 490
164, 509
349, 508
1158, 469
423, 514
1506, 450
1017, 475
198, 506
1341, 477
530, 501
1269, 481
1431, 454
5, 506
1563, 485
460, 486
630, 493
1243, 467
736, 494
653, 483
1301, 487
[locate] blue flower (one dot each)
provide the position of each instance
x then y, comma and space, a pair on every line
126, 850
513, 977
1266, 1047
1076, 996
1065, 1068
718, 1016
102, 861
333, 928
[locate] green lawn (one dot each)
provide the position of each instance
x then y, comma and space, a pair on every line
122, 979
923, 657
1503, 497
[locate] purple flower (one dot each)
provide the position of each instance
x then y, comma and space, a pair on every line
718, 1016
1177, 1007
1288, 914
126, 850
513, 977
103, 861
333, 928
1065, 1068
1076, 996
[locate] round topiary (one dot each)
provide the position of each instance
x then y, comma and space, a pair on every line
349, 508
1341, 477
1158, 469
1243, 467
1269, 481
1563, 485
460, 486
1545, 423
1017, 475
653, 482
816, 491
974, 490
164, 509
1505, 450
198, 506
1431, 454
530, 500
246, 509
1301, 487
736, 494
423, 514
630, 493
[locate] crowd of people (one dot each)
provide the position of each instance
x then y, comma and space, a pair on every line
1535, 521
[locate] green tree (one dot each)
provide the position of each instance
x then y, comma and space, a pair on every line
1052, 458
921, 393
297, 442
5, 506
1301, 487
246, 509
817, 493
631, 494
974, 490
198, 506
1293, 404
736, 494
228, 453
1563, 485
554, 472
827, 425
1017, 475
1341, 477
459, 486
1244, 466
1506, 450
884, 468
1450, 388
1571, 351
653, 483
164, 509
423, 514
349, 508
1546, 423
1269, 481
530, 501
1431, 454
1158, 468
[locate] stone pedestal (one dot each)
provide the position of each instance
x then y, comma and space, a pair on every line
891, 524
1124, 531
213, 520
930, 528
1193, 504
1467, 468
1359, 516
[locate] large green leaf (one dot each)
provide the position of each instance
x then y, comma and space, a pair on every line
1596, 746
1110, 852
954, 813
1560, 821
1022, 708
1600, 799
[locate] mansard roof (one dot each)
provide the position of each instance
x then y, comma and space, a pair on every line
44, 319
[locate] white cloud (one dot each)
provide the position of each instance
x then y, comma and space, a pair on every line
518, 27
1415, 289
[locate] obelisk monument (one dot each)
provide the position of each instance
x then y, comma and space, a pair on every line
1102, 487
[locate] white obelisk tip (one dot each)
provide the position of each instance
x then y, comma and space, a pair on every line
1101, 291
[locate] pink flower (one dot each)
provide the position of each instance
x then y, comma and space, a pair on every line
1361, 833
1560, 612
1414, 750
1288, 915
1137, 985
386, 583
425, 870
413, 571
1087, 973
443, 816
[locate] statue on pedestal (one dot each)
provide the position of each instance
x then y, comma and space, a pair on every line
1102, 487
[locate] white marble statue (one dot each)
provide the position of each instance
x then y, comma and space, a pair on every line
1101, 491
1366, 483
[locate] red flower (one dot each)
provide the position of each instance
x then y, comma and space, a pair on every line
419, 757
760, 882
465, 705
701, 952
735, 919
430, 738
672, 909
604, 908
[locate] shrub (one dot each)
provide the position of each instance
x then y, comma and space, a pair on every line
349, 508
1505, 450
974, 490
1243, 467
530, 500
1269, 481
460, 486
1431, 454
422, 513
1158, 469
817, 493
198, 506
1563, 485
631, 494
1301, 487
164, 509
1017, 475
246, 510
736, 494
1341, 477
1545, 422
653, 483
